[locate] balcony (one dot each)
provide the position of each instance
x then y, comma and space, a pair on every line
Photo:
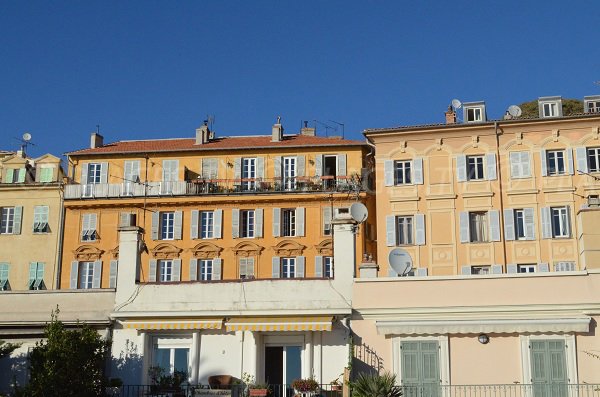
212, 187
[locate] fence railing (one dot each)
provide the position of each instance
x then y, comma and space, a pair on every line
503, 390
237, 390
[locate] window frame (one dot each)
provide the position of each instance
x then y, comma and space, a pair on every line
562, 216
481, 270
288, 267
596, 156
247, 223
41, 218
85, 277
476, 171
207, 225
403, 172
94, 173
474, 114
288, 222
479, 227
248, 172
405, 230
7, 220
205, 269
328, 267
553, 162
520, 227
167, 225
289, 172
164, 267
46, 174
526, 268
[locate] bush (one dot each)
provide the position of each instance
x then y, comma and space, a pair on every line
375, 386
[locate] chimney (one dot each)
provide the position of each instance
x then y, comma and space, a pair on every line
203, 134
96, 140
450, 116
306, 130
277, 131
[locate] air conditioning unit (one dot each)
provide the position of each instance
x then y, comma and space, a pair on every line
593, 201
128, 219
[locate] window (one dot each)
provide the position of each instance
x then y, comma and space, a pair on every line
4, 284
327, 227
15, 175
560, 222
7, 221
288, 267
210, 168
520, 165
46, 174
478, 227
288, 224
475, 168
167, 225
593, 159
564, 266
480, 269
555, 159
206, 269
404, 230
248, 173
86, 275
206, 224
328, 266
592, 106
528, 268
165, 270
88, 228
36, 276
40, 219
549, 109
94, 173
402, 172
289, 170
246, 268
474, 114
519, 225
172, 354
247, 223
330, 165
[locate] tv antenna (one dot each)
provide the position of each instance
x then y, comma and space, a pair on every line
342, 125
210, 120
327, 127
25, 141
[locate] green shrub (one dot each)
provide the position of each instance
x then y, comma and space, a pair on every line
375, 385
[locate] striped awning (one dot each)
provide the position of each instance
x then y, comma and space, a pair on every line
150, 324
322, 323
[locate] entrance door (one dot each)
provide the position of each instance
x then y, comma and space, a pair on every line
420, 368
283, 364
548, 368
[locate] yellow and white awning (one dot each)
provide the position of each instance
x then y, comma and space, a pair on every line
156, 324
321, 323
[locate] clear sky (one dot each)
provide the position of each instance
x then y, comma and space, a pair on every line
155, 69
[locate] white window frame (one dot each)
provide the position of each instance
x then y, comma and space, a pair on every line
244, 263
328, 266
172, 342
167, 225
288, 222
165, 269
481, 270
247, 223
527, 268
562, 229
444, 357
549, 109
405, 230
592, 106
86, 275
403, 172
553, 162
570, 355
289, 172
520, 232
94, 174
474, 114
207, 224
288, 267
479, 227
593, 153
477, 165
248, 173
7, 220
206, 269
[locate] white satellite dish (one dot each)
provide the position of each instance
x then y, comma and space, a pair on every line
456, 104
514, 110
400, 261
27, 137
359, 212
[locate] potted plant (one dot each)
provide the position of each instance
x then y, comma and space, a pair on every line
253, 388
166, 382
305, 387
336, 385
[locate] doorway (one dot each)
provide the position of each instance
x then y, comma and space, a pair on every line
283, 364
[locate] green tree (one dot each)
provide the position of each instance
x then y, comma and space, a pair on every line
7, 348
570, 107
67, 363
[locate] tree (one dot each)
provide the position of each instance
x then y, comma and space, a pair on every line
67, 363
570, 107
7, 348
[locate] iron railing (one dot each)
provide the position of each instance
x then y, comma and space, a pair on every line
237, 390
503, 390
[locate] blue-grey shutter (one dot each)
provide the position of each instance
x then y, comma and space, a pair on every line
490, 164
327, 226
235, 223
419, 229
465, 270
421, 272
258, 222
84, 173
543, 163
237, 168
97, 278
569, 161
176, 270
218, 224
17, 220
511, 268
582, 163
193, 269
155, 224
74, 274
260, 167
417, 176
515, 164
318, 266
112, 279
32, 273
388, 172
277, 166
217, 269
464, 227
300, 264
276, 221
178, 225
104, 172
318, 165
496, 269
300, 165
543, 267
569, 233
195, 224
529, 221
461, 168
152, 270
509, 225
494, 225
525, 164
275, 267
390, 230
546, 218
300, 221
341, 158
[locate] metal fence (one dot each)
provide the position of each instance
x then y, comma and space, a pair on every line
508, 390
238, 390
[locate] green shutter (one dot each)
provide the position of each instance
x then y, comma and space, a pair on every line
3, 271
21, 177
548, 368
420, 368
46, 175
9, 175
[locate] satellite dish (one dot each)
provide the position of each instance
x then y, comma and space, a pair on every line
359, 212
456, 104
514, 110
400, 261
27, 137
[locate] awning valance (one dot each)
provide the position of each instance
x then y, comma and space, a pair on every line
152, 324
322, 323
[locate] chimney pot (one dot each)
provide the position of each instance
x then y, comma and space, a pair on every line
203, 134
96, 140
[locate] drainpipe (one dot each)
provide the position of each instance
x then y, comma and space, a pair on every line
61, 231
501, 216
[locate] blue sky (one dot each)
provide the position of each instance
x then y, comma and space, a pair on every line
153, 69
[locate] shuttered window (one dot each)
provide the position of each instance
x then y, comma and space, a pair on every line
206, 269
46, 174
36, 276
520, 165
246, 266
86, 275
555, 162
210, 168
7, 220
548, 368
4, 272
40, 219
247, 225
593, 160
420, 367
288, 267
167, 225
328, 266
475, 168
88, 227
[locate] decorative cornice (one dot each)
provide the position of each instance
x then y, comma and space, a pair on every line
206, 250
288, 248
165, 251
247, 248
87, 253
325, 247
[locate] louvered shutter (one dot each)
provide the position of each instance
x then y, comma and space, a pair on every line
543, 267
515, 164
494, 222
390, 230
568, 208
275, 267
525, 164
543, 163
465, 270
417, 176
546, 218
32, 273
178, 225
237, 168
461, 168
300, 165
176, 270
496, 269
509, 225
277, 166
235, 223
17, 220
97, 279
318, 266
218, 223
10, 175
152, 270
300, 221
193, 269
570, 170
327, 220
582, 163
300, 265
39, 277
464, 227
388, 172
258, 222
511, 268
104, 172
74, 275
490, 163
217, 269
84, 173
195, 224
419, 229
318, 165
155, 224
112, 279
421, 272
341, 158
22, 173
529, 221
260, 167
276, 222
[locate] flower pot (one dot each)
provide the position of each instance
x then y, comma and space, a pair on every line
336, 387
258, 392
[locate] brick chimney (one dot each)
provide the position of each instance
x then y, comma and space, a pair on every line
306, 130
277, 131
450, 116
202, 134
96, 140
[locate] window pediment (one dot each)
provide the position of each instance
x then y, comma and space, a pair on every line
87, 253
165, 251
325, 247
115, 252
206, 251
288, 248
247, 248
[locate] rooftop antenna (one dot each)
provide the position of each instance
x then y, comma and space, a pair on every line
327, 127
25, 141
514, 111
343, 127
210, 121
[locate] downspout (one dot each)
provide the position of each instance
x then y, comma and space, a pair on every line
501, 215
61, 226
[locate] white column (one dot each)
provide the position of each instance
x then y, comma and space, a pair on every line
344, 255
195, 358
129, 263
146, 344
307, 364
318, 356
250, 356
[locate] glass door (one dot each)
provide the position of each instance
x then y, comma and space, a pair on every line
283, 364
289, 173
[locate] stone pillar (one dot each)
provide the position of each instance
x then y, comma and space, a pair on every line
195, 357
344, 254
129, 262
307, 370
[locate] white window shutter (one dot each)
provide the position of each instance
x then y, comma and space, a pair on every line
176, 270
152, 270
461, 168
515, 164
235, 223
193, 269
543, 267
341, 159
195, 224
258, 222
582, 163
525, 165
490, 163
84, 173
568, 207
570, 170
417, 176
275, 267
178, 225
465, 270
388, 172
237, 168
318, 266
509, 225
390, 230
511, 268
496, 269
546, 218
300, 165
155, 224
276, 222
277, 166
17, 220
464, 227
74, 275
421, 272
104, 172
97, 279
543, 163
327, 218
217, 269
260, 167
300, 265
112, 279
218, 223
529, 221
494, 222
419, 229
318, 165
300, 221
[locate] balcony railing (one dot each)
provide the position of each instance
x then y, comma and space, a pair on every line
203, 187
236, 390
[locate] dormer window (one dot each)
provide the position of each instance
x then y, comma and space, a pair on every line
474, 112
550, 106
591, 104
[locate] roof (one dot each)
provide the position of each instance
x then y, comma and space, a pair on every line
250, 142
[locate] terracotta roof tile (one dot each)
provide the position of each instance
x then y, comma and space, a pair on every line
221, 143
